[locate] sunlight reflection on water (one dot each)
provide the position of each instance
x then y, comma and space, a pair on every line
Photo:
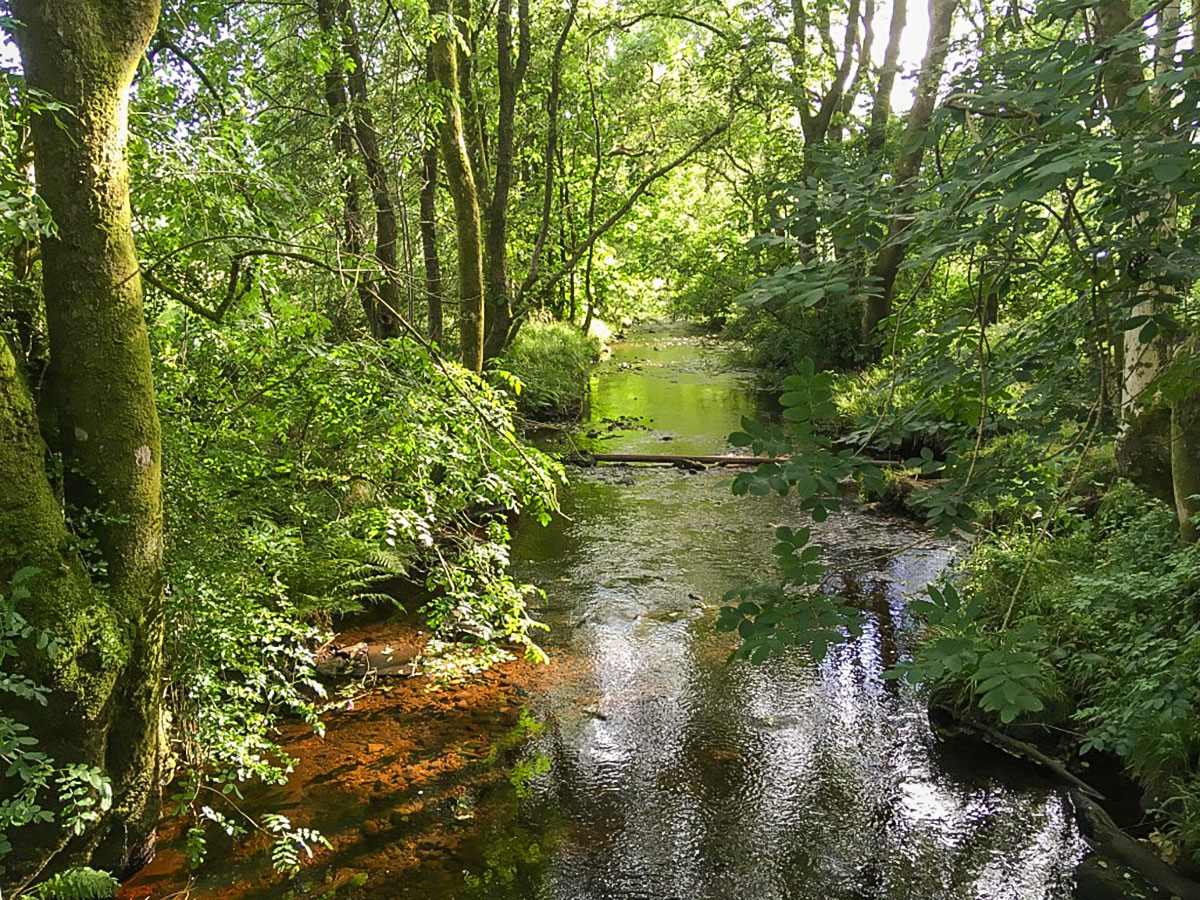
677, 775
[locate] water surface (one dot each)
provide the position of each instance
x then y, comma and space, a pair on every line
669, 772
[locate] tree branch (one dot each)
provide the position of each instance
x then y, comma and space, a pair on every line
635, 195
166, 43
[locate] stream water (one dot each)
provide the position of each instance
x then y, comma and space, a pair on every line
650, 767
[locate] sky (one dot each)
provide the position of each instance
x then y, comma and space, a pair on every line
912, 47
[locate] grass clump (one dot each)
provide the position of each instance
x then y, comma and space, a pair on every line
552, 363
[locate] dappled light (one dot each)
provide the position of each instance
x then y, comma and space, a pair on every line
581, 450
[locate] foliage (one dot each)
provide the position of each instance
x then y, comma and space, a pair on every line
77, 884
552, 364
74, 795
778, 340
305, 480
1110, 605
1004, 673
446, 664
771, 616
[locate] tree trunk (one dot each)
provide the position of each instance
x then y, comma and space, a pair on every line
816, 124
429, 247
499, 313
593, 185
461, 181
1185, 455
877, 304
1145, 443
354, 235
108, 679
551, 154
474, 118
861, 70
386, 320
383, 311
24, 298
881, 109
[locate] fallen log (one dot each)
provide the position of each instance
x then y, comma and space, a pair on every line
693, 460
1109, 840
1102, 833
666, 459
1018, 748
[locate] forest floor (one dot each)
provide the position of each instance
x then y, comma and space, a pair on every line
390, 783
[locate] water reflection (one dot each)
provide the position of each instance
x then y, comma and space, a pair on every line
677, 775
663, 772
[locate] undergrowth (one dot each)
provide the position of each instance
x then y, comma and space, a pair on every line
304, 480
1110, 608
552, 363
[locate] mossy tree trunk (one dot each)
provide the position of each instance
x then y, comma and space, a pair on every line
107, 680
1185, 453
353, 230
460, 179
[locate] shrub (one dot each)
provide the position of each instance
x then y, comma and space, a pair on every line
552, 363
829, 337
304, 479
1113, 600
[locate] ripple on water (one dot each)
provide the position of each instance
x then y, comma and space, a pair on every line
676, 774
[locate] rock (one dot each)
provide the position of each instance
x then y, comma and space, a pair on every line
335, 660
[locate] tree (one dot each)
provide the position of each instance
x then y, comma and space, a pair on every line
347, 96
877, 303
881, 108
510, 75
104, 607
428, 223
460, 179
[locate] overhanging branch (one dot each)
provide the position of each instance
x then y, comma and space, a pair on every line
641, 188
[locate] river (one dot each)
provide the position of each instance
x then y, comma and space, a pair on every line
643, 764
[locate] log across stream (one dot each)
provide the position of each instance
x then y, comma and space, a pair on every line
640, 762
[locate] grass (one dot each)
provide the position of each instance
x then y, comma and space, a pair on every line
552, 364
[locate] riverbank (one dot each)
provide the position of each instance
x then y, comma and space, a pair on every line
1070, 566
640, 760
549, 367
391, 783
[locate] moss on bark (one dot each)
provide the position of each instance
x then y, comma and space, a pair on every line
460, 179
83, 54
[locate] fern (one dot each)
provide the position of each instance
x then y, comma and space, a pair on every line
77, 884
